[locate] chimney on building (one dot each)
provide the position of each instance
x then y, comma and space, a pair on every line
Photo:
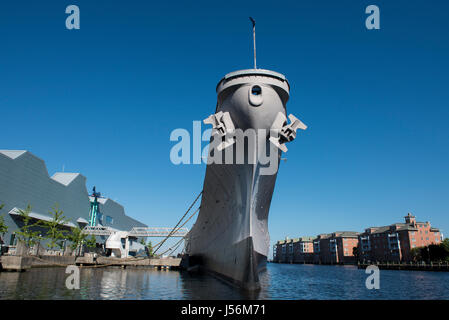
410, 219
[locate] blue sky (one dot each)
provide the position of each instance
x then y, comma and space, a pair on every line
103, 100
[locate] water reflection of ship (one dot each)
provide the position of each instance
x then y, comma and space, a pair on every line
201, 286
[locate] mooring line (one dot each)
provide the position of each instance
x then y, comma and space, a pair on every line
174, 228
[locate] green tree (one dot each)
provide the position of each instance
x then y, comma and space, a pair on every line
3, 226
55, 228
77, 237
432, 252
149, 249
445, 245
416, 254
26, 234
92, 242
355, 252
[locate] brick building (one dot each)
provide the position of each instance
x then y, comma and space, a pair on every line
320, 247
387, 243
303, 250
394, 242
289, 255
297, 250
280, 251
335, 248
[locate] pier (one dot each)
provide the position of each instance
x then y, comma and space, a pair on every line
159, 263
432, 266
22, 263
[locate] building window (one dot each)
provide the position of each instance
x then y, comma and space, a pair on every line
109, 220
12, 240
100, 217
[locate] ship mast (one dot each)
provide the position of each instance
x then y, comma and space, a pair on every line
254, 40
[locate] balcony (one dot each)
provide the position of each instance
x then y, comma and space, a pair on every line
393, 242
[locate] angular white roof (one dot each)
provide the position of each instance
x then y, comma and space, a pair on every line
12, 153
104, 200
65, 177
15, 211
81, 220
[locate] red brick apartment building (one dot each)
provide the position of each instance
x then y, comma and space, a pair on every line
394, 242
331, 248
335, 248
303, 250
297, 250
320, 247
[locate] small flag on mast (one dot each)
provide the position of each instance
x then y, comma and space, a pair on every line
253, 21
254, 39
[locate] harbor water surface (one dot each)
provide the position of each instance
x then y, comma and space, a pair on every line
279, 281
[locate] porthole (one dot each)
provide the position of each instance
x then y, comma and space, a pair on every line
256, 90
255, 95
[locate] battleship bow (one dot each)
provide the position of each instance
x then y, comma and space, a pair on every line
230, 237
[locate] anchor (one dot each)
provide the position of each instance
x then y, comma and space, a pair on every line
223, 126
287, 132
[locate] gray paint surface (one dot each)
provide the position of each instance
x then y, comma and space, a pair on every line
230, 236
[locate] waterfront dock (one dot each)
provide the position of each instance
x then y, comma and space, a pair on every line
159, 263
15, 263
19, 263
432, 266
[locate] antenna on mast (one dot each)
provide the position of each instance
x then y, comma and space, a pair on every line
254, 40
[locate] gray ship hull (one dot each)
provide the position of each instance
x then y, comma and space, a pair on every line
230, 237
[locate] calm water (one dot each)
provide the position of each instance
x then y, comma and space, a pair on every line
280, 281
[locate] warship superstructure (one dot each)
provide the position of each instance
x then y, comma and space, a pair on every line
230, 237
